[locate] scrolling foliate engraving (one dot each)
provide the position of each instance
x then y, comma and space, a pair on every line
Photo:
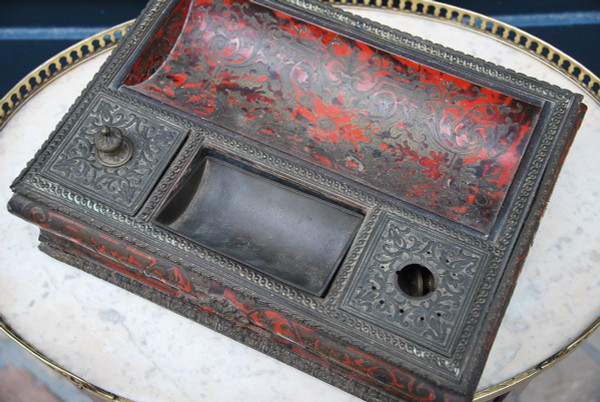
427, 137
433, 320
125, 187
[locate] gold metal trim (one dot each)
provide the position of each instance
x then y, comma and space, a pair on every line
526, 376
504, 33
75, 380
494, 28
9, 105
54, 67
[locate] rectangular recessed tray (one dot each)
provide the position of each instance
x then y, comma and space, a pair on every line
342, 196
284, 232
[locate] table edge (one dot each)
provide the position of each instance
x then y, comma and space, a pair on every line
106, 40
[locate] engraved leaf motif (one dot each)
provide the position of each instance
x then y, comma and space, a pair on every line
396, 245
322, 97
433, 318
77, 161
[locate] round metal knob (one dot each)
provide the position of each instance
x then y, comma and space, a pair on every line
113, 149
107, 140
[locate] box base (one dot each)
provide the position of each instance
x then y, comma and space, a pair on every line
69, 253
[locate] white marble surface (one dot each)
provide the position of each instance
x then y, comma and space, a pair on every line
136, 349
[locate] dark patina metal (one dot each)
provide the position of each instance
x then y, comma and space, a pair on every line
347, 198
112, 148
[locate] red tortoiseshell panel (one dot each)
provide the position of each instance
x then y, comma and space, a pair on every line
158, 48
423, 136
91, 245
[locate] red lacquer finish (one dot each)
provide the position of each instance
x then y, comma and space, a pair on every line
439, 163
158, 48
90, 244
418, 134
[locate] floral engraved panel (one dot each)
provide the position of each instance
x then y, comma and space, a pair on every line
433, 320
425, 136
126, 187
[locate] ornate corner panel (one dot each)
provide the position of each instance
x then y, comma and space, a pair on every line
443, 161
432, 316
75, 163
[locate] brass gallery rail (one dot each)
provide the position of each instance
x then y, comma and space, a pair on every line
106, 40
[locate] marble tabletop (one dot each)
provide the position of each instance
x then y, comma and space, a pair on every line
138, 350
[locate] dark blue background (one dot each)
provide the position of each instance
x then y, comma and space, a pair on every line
571, 26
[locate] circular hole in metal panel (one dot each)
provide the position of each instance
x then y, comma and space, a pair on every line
416, 280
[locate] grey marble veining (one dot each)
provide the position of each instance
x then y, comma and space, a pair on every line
139, 350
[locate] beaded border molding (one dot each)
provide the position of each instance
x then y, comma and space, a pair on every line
480, 23
107, 40
507, 34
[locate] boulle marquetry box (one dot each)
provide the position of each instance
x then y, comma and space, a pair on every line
344, 197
